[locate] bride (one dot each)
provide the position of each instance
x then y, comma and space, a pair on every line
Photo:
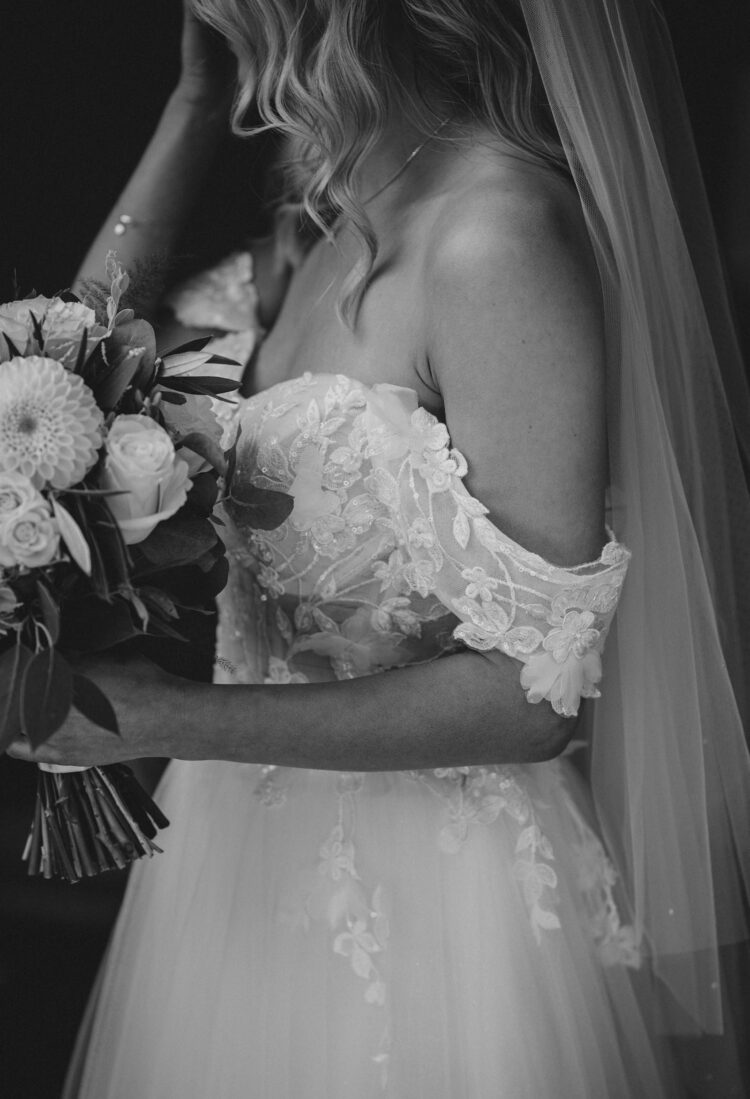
486, 369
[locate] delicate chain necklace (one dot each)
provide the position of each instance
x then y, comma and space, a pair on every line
400, 171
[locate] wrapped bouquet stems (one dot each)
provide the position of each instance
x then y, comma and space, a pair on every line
88, 820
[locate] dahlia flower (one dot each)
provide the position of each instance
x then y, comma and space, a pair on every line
50, 424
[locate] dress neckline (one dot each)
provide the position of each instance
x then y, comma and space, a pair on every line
312, 375
612, 551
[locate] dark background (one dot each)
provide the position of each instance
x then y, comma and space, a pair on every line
82, 85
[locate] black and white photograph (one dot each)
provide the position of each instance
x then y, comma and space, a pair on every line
375, 549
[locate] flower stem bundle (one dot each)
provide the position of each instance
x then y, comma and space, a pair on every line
89, 821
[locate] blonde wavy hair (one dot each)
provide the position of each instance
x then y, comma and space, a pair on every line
326, 73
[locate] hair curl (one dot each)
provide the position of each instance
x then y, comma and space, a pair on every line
326, 73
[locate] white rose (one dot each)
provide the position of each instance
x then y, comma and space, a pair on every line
15, 322
141, 462
30, 536
16, 494
62, 325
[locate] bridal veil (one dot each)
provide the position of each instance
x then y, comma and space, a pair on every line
667, 756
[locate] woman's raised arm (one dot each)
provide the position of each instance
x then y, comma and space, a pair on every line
159, 197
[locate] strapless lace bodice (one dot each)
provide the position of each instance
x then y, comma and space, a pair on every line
386, 558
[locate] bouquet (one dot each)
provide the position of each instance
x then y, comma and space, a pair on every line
112, 458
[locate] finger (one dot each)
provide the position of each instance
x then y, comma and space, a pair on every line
21, 749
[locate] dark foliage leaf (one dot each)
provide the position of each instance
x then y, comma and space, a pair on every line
13, 664
192, 345
147, 376
160, 627
207, 448
203, 494
46, 695
173, 398
36, 325
82, 349
231, 457
262, 508
158, 599
91, 624
95, 491
222, 360
92, 702
215, 578
11, 346
109, 538
201, 384
248, 374
112, 380
110, 560
128, 334
179, 541
50, 612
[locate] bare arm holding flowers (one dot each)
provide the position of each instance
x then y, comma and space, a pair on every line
468, 707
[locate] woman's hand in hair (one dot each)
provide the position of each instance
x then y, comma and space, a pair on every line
209, 68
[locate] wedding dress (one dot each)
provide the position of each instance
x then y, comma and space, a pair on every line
444, 934
462, 934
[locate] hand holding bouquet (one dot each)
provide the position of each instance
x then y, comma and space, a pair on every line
111, 461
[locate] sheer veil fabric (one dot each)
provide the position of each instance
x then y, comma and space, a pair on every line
668, 760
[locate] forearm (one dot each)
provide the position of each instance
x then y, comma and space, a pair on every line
162, 191
460, 710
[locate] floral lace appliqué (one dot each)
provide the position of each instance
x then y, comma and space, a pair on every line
477, 796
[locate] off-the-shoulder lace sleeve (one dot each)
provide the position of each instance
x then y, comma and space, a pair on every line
554, 620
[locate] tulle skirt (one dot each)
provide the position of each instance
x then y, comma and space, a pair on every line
309, 935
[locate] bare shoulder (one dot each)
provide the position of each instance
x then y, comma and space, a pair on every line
514, 334
526, 226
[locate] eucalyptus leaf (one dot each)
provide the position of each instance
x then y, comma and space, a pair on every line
46, 695
262, 508
92, 702
128, 335
180, 540
13, 664
112, 380
203, 494
207, 447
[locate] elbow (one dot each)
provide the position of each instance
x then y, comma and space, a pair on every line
549, 734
